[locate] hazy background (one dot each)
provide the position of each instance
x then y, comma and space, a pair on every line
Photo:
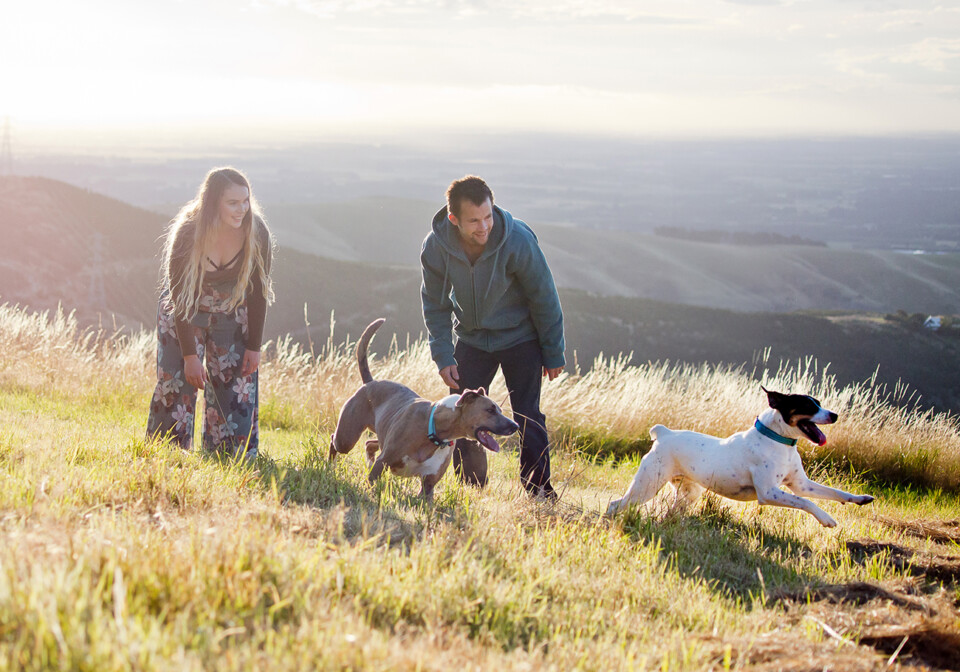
728, 182
612, 67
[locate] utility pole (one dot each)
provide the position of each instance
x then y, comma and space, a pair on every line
6, 149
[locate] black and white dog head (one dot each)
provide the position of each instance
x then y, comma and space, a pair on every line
803, 413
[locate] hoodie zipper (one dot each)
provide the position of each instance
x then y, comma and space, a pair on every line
473, 289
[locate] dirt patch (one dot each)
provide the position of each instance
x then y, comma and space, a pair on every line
936, 645
780, 652
908, 622
938, 567
939, 531
859, 594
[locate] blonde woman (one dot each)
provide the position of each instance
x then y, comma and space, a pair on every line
216, 286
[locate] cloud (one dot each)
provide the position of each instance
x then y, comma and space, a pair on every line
934, 54
759, 3
566, 11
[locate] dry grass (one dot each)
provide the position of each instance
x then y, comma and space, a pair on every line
120, 554
606, 411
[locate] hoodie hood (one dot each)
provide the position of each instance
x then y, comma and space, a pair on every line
504, 298
449, 236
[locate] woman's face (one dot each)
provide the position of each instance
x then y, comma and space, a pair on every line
234, 205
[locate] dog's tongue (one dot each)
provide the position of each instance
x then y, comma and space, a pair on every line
487, 441
812, 432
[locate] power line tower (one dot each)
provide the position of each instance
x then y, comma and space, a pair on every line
6, 149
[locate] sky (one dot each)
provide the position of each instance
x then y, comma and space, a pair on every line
658, 68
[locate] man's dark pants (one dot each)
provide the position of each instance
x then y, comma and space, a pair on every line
522, 367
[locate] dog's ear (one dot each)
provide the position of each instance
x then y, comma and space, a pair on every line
467, 395
775, 399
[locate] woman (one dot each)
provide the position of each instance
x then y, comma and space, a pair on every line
214, 295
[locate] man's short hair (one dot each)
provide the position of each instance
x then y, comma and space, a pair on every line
470, 188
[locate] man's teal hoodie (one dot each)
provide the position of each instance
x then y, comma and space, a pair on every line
506, 298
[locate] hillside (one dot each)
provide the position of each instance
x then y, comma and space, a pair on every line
120, 553
771, 279
67, 245
48, 260
99, 256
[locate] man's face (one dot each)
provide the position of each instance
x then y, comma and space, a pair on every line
474, 223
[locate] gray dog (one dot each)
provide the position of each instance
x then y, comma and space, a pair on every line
415, 436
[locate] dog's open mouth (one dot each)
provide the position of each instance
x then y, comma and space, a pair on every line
812, 432
487, 441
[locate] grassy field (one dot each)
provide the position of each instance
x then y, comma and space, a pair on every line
121, 554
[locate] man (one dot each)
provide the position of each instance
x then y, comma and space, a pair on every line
486, 269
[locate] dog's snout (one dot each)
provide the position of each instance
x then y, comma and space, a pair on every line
824, 417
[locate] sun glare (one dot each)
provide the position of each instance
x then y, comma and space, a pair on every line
674, 69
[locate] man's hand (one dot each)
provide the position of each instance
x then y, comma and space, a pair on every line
552, 373
194, 371
451, 376
251, 360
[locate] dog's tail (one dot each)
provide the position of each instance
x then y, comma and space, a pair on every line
362, 349
657, 430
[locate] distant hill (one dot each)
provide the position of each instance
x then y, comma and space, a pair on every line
777, 278
67, 245
99, 256
53, 232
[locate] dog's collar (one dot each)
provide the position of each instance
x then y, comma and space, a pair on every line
770, 434
432, 431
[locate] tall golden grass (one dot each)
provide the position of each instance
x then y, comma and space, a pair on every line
604, 412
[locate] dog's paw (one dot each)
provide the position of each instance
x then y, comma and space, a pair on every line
863, 499
612, 509
827, 522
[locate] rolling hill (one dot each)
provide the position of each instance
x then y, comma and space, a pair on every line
388, 231
99, 256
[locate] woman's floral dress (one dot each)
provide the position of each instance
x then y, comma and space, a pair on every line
231, 401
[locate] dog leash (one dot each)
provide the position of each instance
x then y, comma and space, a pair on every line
432, 431
767, 432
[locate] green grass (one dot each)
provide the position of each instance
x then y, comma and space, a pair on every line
118, 553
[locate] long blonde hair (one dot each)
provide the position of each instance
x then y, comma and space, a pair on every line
203, 212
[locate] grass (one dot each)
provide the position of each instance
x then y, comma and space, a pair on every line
120, 554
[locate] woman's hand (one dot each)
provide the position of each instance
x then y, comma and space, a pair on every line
251, 361
194, 371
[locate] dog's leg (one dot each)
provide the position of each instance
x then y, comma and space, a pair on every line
802, 485
427, 484
355, 416
774, 496
652, 475
376, 470
373, 445
687, 492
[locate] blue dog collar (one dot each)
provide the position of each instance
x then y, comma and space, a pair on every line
432, 431
763, 429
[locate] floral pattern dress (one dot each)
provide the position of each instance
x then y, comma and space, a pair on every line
230, 418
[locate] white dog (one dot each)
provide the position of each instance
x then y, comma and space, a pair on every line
750, 465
